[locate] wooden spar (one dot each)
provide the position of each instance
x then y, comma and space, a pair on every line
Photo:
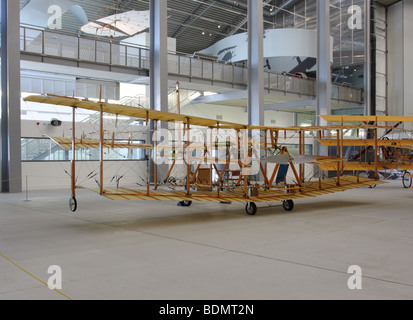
338, 156
170, 170
274, 172
101, 149
188, 166
375, 154
273, 176
148, 187
265, 155
341, 151
113, 140
295, 174
239, 157
247, 153
300, 141
300, 150
210, 155
271, 138
73, 178
155, 152
246, 186
274, 138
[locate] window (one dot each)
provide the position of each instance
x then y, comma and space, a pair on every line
45, 149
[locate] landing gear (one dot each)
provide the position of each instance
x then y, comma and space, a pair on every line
288, 205
72, 204
251, 208
371, 175
184, 203
407, 181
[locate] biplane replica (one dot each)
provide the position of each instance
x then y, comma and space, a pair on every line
219, 161
383, 152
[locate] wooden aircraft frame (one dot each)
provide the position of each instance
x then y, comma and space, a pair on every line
390, 154
244, 189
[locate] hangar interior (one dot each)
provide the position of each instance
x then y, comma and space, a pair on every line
337, 57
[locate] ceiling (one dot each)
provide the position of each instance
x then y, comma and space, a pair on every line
196, 24
387, 2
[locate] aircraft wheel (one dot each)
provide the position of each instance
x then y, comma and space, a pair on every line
407, 181
187, 203
73, 204
251, 208
184, 203
288, 205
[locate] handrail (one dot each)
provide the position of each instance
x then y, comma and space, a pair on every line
90, 49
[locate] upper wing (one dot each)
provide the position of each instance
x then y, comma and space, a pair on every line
366, 118
168, 116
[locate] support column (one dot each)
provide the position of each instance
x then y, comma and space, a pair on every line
256, 75
158, 71
10, 97
323, 60
158, 55
255, 63
367, 63
323, 72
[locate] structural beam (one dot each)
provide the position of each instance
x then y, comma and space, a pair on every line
323, 60
158, 55
255, 63
10, 97
158, 71
323, 72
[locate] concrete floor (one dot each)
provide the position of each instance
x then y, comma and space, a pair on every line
156, 250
